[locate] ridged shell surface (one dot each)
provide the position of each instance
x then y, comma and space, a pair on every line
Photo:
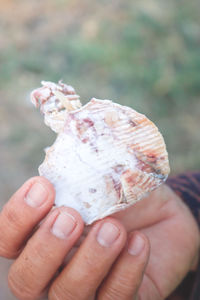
105, 158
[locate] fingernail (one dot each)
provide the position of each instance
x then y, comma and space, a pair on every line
36, 195
136, 245
107, 234
64, 225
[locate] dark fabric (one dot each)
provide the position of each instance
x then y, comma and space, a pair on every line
187, 186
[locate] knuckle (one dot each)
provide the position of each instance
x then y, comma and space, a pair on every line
91, 264
58, 292
110, 294
120, 289
7, 253
12, 217
90, 267
19, 289
40, 251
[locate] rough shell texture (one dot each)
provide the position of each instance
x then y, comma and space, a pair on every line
55, 100
105, 158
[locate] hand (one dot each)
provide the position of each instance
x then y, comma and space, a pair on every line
174, 239
105, 266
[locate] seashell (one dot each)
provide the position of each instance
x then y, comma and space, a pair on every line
106, 156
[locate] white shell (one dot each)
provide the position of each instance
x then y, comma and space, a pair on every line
106, 156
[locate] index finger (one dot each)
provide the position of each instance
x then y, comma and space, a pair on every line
26, 208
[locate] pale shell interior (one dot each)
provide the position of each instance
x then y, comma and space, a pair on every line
106, 156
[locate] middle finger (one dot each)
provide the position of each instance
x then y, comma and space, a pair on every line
44, 253
91, 263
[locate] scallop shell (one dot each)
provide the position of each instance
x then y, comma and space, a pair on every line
106, 156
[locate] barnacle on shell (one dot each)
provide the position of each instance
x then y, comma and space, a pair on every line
106, 156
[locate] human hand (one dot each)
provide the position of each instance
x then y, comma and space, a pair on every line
105, 266
174, 239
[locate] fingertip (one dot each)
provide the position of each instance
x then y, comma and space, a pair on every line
147, 244
24, 189
118, 224
48, 186
28, 206
44, 181
110, 231
138, 244
73, 213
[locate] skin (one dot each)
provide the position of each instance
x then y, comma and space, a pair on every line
116, 269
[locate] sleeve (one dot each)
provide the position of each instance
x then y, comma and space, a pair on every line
187, 186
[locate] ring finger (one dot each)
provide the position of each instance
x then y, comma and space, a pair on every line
126, 275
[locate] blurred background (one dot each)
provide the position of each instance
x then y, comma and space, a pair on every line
144, 54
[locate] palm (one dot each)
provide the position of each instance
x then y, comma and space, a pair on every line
173, 236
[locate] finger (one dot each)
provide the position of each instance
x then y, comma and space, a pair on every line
82, 276
21, 214
44, 253
126, 275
